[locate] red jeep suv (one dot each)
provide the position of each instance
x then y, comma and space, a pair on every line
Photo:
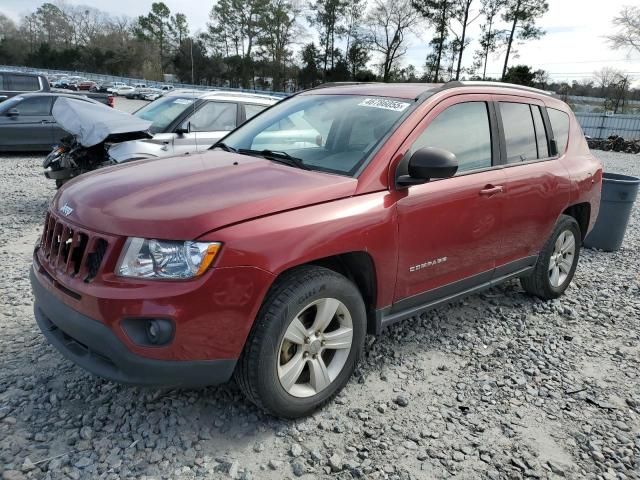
330, 215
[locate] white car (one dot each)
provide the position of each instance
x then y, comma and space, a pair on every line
115, 86
124, 90
189, 121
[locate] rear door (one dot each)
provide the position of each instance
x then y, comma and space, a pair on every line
537, 185
32, 128
206, 125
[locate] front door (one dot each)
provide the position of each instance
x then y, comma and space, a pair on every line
450, 229
32, 127
205, 126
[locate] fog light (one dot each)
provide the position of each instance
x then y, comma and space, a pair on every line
149, 332
159, 331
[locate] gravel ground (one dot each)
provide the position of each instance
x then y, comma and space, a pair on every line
497, 386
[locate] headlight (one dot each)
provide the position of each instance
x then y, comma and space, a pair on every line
165, 259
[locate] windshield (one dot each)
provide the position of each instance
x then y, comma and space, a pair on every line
333, 133
164, 111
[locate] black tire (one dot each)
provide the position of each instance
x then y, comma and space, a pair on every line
256, 372
538, 282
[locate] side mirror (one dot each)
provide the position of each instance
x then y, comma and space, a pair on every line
13, 112
427, 163
184, 128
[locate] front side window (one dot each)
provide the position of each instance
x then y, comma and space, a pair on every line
214, 117
23, 83
332, 133
560, 126
35, 106
463, 130
164, 111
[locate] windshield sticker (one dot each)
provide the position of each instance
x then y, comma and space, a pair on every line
384, 103
183, 101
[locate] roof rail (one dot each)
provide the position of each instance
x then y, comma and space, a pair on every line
480, 83
342, 84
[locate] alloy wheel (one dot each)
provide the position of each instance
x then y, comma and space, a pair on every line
562, 258
315, 347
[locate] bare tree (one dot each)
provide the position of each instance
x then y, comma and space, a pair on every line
388, 23
628, 34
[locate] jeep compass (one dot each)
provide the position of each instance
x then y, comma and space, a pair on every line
327, 216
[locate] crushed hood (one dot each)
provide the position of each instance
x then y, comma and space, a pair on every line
92, 123
182, 198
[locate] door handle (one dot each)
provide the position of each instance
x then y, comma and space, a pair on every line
491, 190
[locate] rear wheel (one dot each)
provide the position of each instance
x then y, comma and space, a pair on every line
305, 343
557, 261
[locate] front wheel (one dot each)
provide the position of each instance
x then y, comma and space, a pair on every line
305, 343
557, 261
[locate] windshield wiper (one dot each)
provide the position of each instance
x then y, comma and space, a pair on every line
276, 156
223, 146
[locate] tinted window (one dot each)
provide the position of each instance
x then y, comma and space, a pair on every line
464, 130
560, 126
253, 110
40, 106
2, 82
23, 83
214, 116
541, 133
519, 133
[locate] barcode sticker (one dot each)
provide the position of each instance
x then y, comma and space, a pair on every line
384, 103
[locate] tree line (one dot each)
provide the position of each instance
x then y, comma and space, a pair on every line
260, 43
247, 42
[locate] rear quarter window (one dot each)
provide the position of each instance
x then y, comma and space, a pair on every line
560, 126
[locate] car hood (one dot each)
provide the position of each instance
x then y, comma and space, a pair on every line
92, 123
185, 197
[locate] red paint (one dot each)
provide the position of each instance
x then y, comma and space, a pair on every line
272, 217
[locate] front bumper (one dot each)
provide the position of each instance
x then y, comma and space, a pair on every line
94, 347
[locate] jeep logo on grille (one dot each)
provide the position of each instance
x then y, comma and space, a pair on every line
66, 210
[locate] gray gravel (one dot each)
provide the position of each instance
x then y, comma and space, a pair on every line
497, 386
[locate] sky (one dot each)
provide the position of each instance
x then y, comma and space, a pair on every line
573, 47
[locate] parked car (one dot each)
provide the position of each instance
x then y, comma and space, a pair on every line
85, 147
186, 121
139, 93
88, 85
16, 83
167, 88
270, 258
123, 90
104, 87
26, 121
115, 86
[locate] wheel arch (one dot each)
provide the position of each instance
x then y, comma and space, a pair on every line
359, 268
581, 212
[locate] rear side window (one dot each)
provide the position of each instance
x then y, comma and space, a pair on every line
464, 130
519, 132
39, 106
23, 83
214, 116
541, 133
560, 126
